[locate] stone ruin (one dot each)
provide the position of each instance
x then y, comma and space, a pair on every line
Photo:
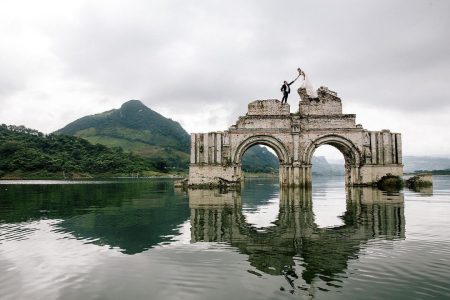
369, 155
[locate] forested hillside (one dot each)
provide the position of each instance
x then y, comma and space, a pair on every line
136, 128
27, 153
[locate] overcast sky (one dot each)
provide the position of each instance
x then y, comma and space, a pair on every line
201, 62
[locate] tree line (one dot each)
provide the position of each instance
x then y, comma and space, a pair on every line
28, 150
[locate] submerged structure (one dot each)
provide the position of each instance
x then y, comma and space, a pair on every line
369, 155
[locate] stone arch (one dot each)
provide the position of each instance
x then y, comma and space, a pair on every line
266, 140
351, 153
369, 155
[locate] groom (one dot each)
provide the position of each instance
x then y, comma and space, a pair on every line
286, 88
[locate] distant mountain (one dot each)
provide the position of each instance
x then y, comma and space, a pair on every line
420, 163
320, 166
135, 127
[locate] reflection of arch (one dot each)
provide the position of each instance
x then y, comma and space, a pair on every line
351, 153
265, 140
370, 214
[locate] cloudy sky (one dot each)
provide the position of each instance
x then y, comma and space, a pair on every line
201, 62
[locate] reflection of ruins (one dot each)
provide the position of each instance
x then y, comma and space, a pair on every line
325, 252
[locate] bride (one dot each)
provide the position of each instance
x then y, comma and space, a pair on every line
307, 85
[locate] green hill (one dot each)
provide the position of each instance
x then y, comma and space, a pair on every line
136, 128
258, 159
28, 153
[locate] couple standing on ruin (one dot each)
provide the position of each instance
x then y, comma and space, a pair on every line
310, 91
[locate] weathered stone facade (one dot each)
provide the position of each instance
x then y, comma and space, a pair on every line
369, 155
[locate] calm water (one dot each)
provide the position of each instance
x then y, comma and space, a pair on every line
147, 240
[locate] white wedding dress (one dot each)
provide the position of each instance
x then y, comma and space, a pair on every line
307, 85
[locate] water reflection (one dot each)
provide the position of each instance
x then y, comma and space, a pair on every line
103, 241
296, 246
131, 216
426, 191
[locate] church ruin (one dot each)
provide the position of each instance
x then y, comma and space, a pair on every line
369, 155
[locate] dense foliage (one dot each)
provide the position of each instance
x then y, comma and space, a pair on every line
27, 150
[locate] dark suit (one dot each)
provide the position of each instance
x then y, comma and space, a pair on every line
286, 89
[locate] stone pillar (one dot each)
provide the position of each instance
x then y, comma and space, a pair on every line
305, 176
198, 141
398, 140
296, 145
281, 174
297, 175
292, 176
219, 148
373, 147
206, 148
212, 147
387, 147
192, 148
380, 152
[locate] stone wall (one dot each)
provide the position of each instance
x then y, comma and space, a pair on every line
271, 107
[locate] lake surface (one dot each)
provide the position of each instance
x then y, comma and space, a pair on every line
143, 239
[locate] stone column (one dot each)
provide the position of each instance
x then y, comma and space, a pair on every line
219, 148
206, 148
297, 176
380, 152
198, 140
398, 139
373, 147
192, 148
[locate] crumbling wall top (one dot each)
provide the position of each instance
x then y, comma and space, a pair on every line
270, 107
327, 103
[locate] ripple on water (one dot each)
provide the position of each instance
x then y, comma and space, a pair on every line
409, 266
15, 232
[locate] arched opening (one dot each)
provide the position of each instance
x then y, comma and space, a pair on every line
260, 161
351, 155
328, 164
256, 149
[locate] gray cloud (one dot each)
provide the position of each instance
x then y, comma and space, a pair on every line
214, 51
186, 57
